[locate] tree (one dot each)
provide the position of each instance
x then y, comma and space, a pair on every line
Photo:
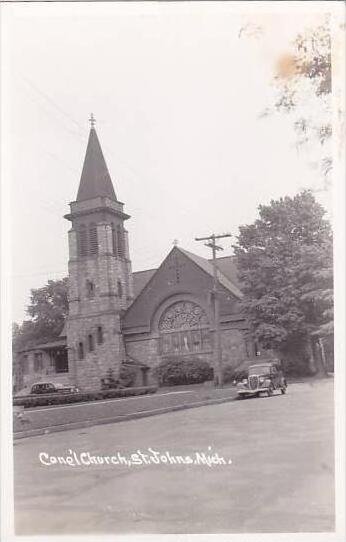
303, 80
48, 310
285, 263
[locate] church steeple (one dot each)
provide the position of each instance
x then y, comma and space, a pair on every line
95, 180
100, 276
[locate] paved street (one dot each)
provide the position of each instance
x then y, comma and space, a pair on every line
280, 478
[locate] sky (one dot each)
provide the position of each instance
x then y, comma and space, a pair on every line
178, 92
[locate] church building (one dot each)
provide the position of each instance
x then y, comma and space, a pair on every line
117, 316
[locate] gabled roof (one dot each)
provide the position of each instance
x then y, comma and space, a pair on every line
208, 268
226, 265
95, 180
180, 273
140, 279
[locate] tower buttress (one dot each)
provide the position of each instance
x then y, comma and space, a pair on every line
100, 275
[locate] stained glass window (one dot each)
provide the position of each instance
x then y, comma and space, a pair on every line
184, 328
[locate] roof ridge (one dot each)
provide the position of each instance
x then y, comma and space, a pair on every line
224, 257
145, 270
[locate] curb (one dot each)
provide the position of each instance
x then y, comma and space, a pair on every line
115, 419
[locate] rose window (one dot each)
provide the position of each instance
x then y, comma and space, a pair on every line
184, 329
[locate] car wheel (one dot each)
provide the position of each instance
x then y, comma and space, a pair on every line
270, 390
283, 390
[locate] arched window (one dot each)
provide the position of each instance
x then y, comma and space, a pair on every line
99, 335
90, 287
114, 240
93, 242
82, 241
91, 343
120, 242
184, 329
120, 289
80, 351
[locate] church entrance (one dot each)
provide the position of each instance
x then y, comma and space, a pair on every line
59, 360
184, 329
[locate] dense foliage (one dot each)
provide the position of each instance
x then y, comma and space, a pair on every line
285, 262
48, 309
190, 370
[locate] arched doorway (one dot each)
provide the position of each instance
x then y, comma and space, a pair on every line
184, 330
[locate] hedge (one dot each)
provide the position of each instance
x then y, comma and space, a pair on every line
191, 370
58, 399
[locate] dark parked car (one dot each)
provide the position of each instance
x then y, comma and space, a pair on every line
50, 387
262, 378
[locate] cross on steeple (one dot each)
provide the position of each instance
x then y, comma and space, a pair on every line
95, 180
92, 121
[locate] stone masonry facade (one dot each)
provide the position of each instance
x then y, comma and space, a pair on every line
110, 321
100, 289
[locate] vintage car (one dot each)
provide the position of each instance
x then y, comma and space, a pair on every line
262, 378
50, 387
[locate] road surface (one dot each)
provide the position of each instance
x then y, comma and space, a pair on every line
278, 474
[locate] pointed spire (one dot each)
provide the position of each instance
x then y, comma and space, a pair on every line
95, 180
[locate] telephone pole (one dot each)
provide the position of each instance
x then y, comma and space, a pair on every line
211, 243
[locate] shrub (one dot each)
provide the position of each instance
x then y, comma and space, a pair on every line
175, 371
59, 399
110, 381
127, 376
229, 374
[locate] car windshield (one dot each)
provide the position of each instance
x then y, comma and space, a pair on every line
259, 370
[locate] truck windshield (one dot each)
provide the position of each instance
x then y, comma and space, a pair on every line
259, 370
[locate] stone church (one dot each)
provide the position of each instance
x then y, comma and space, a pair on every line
117, 316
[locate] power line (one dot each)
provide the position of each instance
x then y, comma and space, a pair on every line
52, 103
49, 99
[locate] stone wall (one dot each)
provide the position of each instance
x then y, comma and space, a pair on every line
145, 348
100, 288
87, 372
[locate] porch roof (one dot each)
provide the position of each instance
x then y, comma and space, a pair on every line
58, 343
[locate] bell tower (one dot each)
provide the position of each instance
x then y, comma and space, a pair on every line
100, 277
